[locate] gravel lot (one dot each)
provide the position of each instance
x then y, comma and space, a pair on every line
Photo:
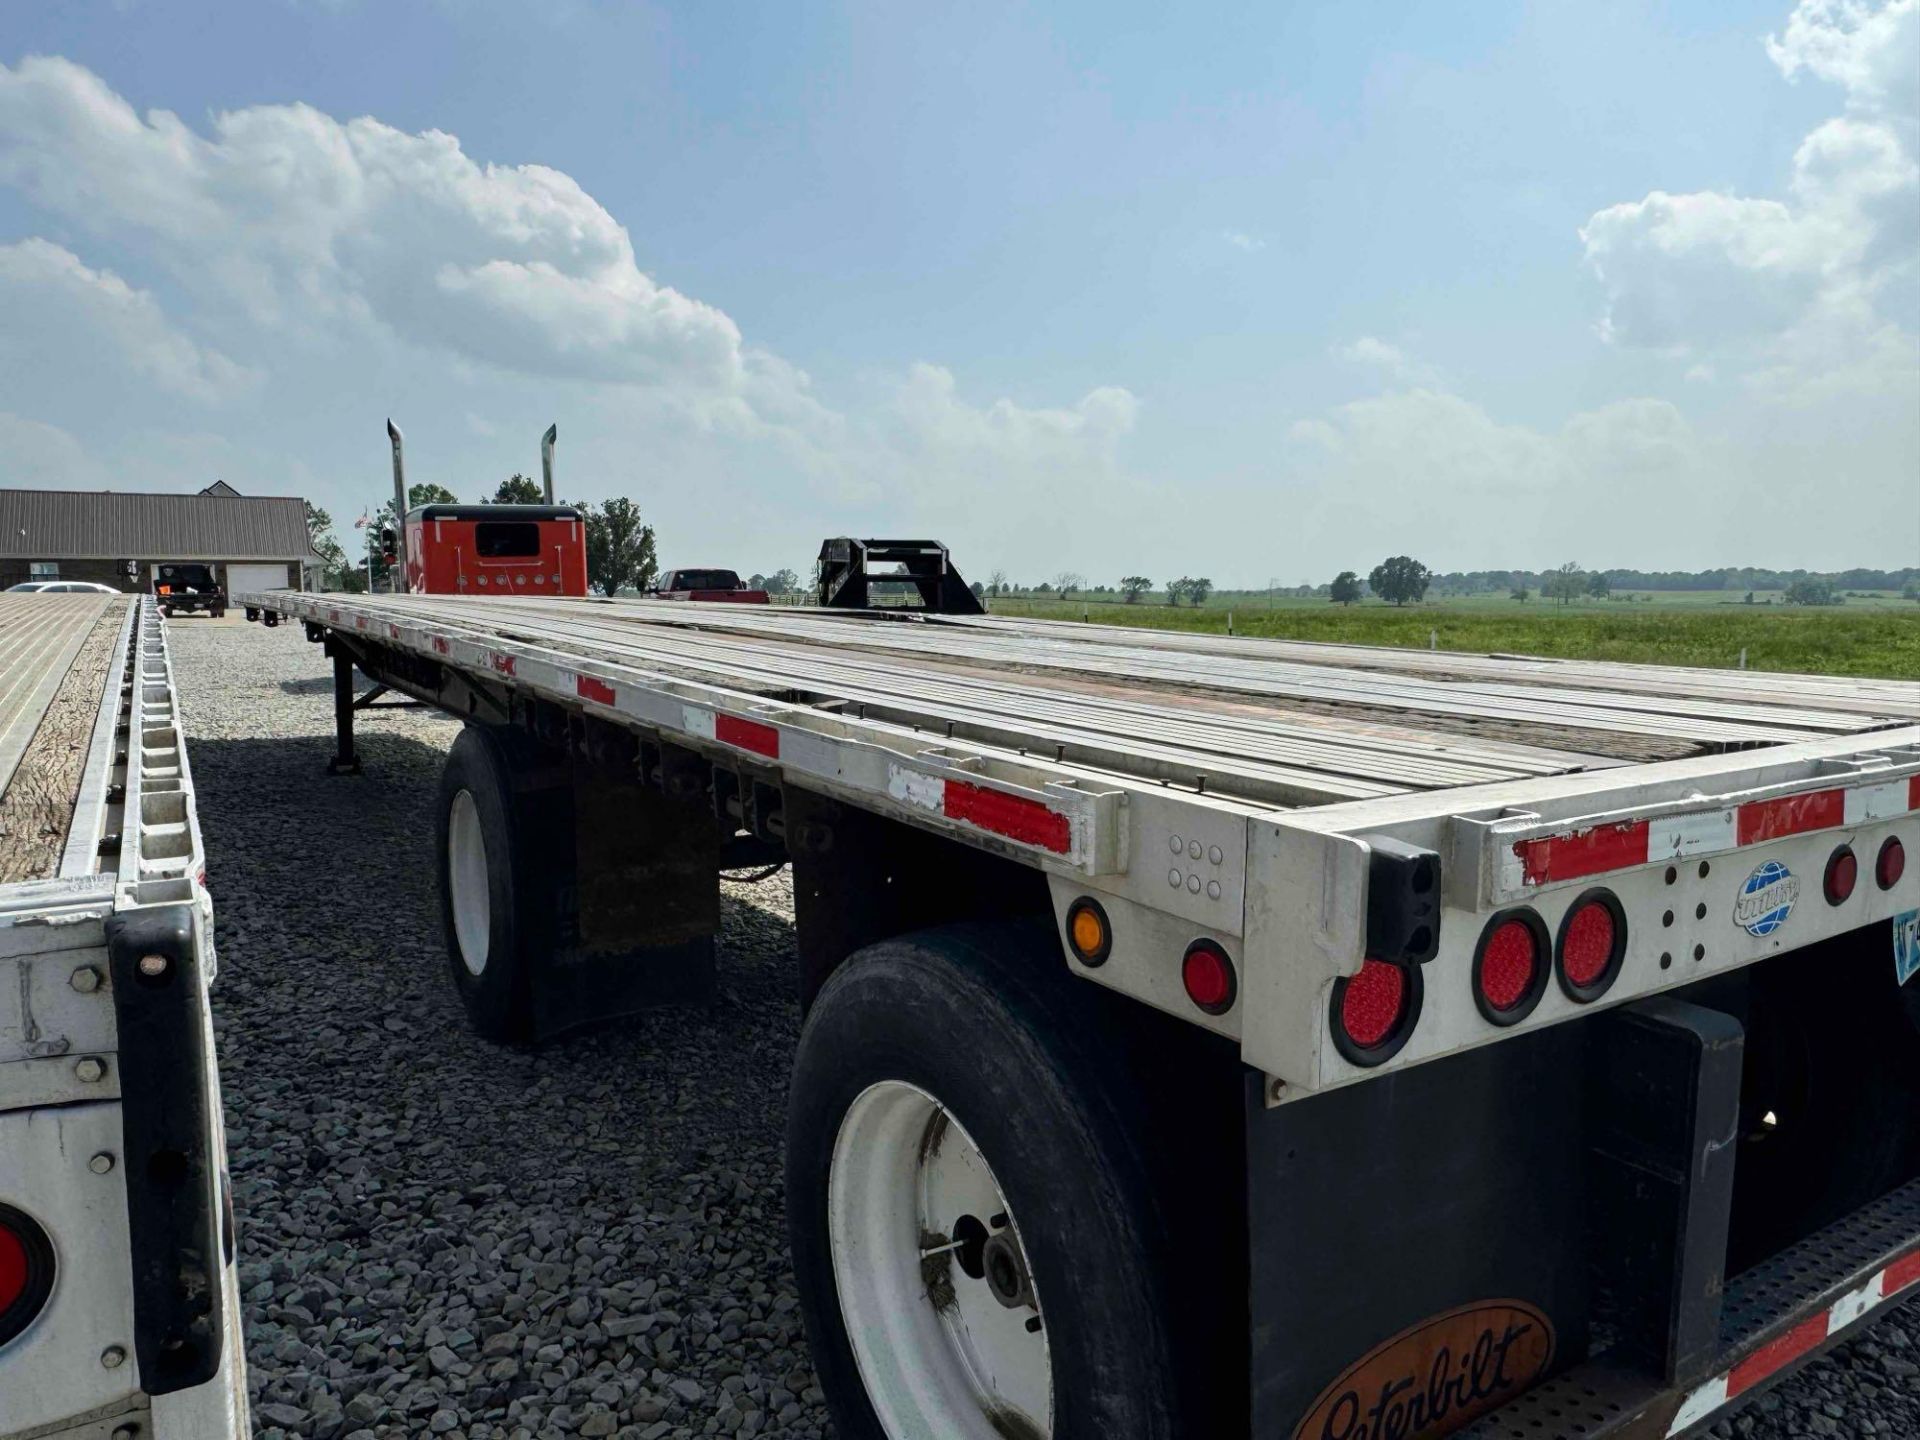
443, 1238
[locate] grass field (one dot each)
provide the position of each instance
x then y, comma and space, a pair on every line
1858, 638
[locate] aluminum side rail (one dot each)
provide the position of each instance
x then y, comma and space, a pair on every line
106, 1062
1283, 890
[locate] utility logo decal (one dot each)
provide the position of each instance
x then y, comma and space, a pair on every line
1766, 899
1906, 945
1436, 1377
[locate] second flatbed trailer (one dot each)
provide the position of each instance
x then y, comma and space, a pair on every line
1212, 1037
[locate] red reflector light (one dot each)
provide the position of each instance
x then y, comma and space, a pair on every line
1843, 872
26, 1271
1891, 864
1208, 976
1510, 967
1374, 1012
13, 1268
1593, 938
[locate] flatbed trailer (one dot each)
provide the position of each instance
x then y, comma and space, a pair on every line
119, 1312
1211, 1036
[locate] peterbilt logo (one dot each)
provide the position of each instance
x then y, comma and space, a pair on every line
1766, 898
1434, 1378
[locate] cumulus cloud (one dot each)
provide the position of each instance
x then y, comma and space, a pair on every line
106, 324
302, 219
1777, 285
287, 226
1387, 360
1403, 467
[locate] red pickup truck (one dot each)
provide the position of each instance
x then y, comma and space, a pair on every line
721, 585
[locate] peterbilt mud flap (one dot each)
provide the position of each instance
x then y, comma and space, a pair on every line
1417, 1244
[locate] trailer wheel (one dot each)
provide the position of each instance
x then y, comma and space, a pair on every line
481, 865
980, 1245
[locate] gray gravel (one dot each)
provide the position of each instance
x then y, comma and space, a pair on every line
443, 1238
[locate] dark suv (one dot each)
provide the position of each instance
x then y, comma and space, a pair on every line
188, 587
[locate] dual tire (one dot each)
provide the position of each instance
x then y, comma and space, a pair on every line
488, 872
982, 1229
999, 1228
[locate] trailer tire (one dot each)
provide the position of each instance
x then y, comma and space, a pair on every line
483, 869
1020, 1065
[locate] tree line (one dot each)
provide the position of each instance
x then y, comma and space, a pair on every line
1403, 580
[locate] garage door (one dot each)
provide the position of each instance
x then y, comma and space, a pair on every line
256, 577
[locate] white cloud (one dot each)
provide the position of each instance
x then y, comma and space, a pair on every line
45, 457
46, 292
1389, 360
1787, 290
1865, 49
297, 233
1240, 240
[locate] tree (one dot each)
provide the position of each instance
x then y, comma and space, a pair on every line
417, 495
1812, 590
1346, 588
1177, 588
1598, 585
1520, 593
1134, 586
517, 489
1198, 590
620, 550
320, 537
1066, 582
1564, 583
1400, 578
997, 583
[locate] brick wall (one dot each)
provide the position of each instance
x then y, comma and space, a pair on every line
104, 572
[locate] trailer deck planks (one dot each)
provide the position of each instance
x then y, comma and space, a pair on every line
56, 655
1176, 707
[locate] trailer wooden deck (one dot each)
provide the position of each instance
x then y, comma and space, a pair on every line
1267, 722
57, 653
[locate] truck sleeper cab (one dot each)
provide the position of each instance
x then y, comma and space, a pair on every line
496, 550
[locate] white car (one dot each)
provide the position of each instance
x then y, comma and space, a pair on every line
62, 587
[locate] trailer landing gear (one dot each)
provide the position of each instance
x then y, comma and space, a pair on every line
345, 761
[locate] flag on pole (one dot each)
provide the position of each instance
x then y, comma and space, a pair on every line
364, 519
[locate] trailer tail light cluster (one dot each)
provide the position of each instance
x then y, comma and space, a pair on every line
26, 1271
1890, 864
1208, 976
1088, 932
1843, 873
1375, 1011
1593, 941
1510, 966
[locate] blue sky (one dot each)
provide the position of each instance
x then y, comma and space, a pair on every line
1250, 291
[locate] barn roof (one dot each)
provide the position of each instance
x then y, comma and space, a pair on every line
123, 525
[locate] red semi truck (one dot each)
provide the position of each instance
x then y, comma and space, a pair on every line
489, 549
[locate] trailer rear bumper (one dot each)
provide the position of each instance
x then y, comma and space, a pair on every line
1778, 1316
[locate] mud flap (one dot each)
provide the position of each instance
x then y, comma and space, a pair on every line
633, 915
1417, 1243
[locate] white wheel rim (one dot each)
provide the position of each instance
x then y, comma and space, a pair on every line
467, 882
904, 1174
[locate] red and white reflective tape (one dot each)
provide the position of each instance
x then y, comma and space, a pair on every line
1017, 817
749, 735
1795, 1344
1624, 844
